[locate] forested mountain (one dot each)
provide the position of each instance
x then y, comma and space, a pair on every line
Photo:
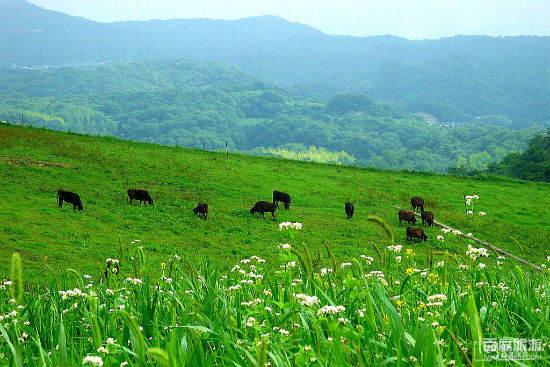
191, 103
502, 81
533, 164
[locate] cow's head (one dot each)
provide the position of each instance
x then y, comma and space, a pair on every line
80, 207
425, 238
287, 206
150, 201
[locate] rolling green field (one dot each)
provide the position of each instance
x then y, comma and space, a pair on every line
235, 289
35, 163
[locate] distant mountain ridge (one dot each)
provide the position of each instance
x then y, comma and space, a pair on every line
454, 79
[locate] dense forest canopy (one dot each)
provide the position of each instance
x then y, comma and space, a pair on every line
454, 79
191, 103
533, 164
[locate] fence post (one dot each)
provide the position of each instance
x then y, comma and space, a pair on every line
204, 145
226, 149
22, 122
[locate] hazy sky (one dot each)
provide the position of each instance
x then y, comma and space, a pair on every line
406, 18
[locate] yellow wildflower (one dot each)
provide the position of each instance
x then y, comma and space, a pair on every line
163, 266
410, 271
410, 252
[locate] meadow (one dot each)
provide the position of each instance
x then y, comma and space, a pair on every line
337, 295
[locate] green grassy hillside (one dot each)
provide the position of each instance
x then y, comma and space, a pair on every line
35, 163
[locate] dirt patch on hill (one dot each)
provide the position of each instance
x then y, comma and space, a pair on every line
28, 162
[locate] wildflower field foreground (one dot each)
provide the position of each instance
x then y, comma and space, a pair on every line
381, 311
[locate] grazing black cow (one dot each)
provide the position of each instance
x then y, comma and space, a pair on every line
350, 209
69, 197
141, 195
283, 197
202, 208
417, 203
264, 206
418, 233
427, 218
406, 215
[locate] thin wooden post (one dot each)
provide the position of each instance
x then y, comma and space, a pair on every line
226, 149
22, 122
204, 145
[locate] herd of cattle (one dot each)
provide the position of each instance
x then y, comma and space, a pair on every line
417, 203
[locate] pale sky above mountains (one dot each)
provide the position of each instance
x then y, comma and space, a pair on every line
413, 19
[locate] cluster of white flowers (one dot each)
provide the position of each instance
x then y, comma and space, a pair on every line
470, 212
481, 266
440, 264
474, 253
469, 235
445, 230
345, 265
259, 260
331, 310
469, 198
463, 267
482, 213
378, 275
72, 293
455, 232
135, 281
306, 300
290, 264
167, 280
7, 316
111, 261
286, 225
134, 241
440, 238
325, 271
93, 360
235, 287
395, 248
436, 300
369, 259
285, 246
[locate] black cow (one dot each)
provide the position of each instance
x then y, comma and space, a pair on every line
427, 218
202, 208
417, 202
283, 197
69, 197
418, 233
350, 209
406, 215
141, 195
264, 206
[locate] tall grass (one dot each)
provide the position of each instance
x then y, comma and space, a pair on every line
359, 313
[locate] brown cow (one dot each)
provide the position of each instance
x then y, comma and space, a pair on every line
202, 208
427, 218
418, 233
350, 209
141, 195
264, 206
406, 215
417, 202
